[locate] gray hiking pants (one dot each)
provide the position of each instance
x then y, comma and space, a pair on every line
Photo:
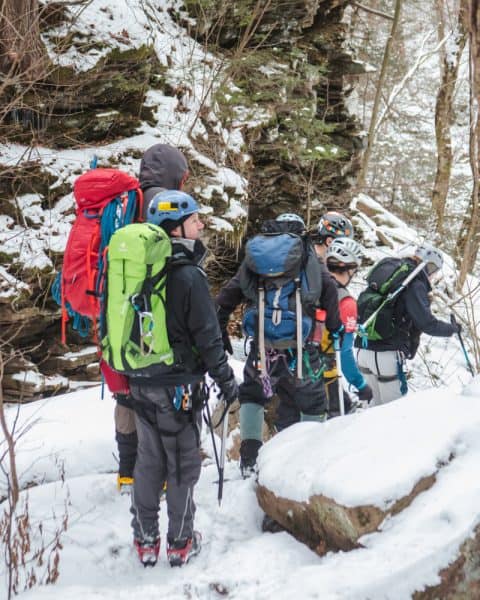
168, 450
381, 370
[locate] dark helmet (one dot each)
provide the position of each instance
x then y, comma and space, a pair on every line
171, 205
334, 224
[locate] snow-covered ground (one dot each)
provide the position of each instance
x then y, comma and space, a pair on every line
372, 457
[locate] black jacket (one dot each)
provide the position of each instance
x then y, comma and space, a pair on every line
412, 317
161, 168
192, 325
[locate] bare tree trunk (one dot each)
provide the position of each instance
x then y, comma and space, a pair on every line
22, 52
444, 111
14, 487
469, 238
378, 94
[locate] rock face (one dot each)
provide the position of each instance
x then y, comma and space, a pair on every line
461, 579
281, 86
324, 525
289, 66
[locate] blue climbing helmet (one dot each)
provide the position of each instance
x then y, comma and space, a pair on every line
171, 205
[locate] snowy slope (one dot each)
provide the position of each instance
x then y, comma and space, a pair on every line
356, 458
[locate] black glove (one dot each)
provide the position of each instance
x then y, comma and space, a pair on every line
229, 390
455, 324
227, 344
365, 393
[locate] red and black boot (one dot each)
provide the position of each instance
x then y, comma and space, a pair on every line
147, 551
180, 551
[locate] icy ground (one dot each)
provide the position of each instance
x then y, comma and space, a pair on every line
373, 457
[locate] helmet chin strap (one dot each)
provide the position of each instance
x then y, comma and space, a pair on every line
350, 275
183, 230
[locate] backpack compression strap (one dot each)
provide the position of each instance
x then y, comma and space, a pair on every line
298, 314
261, 330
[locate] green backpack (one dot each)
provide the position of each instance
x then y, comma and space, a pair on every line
377, 303
135, 340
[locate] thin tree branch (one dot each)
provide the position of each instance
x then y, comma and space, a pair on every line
372, 11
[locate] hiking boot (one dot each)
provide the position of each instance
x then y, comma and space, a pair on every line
270, 525
180, 551
355, 406
248, 457
147, 551
124, 485
248, 470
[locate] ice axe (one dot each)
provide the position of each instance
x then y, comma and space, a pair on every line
454, 322
220, 462
221, 467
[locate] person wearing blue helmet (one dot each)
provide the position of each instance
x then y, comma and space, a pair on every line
170, 210
169, 438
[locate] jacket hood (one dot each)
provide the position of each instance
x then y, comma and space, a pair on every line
162, 166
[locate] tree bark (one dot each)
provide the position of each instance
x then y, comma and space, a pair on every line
449, 63
23, 56
469, 238
13, 485
378, 94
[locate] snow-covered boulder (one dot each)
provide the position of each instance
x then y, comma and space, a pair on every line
331, 484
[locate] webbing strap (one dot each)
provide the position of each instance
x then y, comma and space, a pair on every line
298, 312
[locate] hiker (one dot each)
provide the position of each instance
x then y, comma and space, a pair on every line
162, 167
280, 368
169, 438
344, 257
399, 323
331, 225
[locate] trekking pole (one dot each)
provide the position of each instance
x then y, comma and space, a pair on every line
394, 294
453, 321
341, 399
221, 467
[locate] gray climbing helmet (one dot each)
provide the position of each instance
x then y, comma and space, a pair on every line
290, 218
345, 250
430, 255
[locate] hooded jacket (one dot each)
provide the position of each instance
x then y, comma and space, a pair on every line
162, 167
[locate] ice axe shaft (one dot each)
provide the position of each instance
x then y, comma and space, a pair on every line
453, 320
221, 466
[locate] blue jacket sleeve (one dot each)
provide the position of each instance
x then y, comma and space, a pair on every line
349, 366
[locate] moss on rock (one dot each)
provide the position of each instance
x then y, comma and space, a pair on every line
104, 104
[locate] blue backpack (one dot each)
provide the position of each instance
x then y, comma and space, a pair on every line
276, 264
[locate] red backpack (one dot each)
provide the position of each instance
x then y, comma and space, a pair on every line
107, 199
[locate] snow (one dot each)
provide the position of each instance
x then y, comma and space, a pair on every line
372, 457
